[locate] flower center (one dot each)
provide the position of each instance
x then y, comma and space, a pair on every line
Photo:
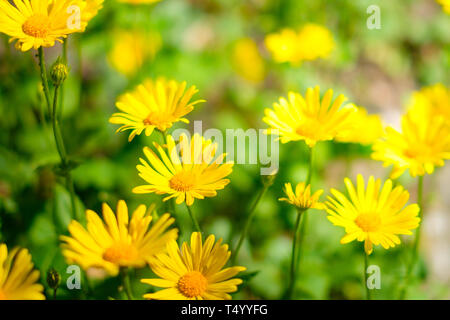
182, 181
37, 26
2, 295
368, 222
162, 122
120, 253
192, 284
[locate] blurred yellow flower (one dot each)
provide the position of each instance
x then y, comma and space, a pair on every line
247, 60
38, 23
313, 41
194, 272
434, 100
18, 279
131, 49
198, 173
310, 119
302, 198
117, 242
423, 143
367, 128
372, 215
445, 5
154, 104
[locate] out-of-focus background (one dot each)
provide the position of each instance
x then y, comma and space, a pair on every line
218, 45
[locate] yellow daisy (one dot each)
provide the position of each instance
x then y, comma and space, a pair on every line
311, 42
445, 5
91, 9
423, 143
367, 128
247, 61
198, 173
131, 49
117, 242
154, 104
434, 100
38, 23
302, 197
194, 272
372, 215
310, 119
18, 279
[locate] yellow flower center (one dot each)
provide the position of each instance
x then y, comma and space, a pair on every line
161, 121
38, 26
368, 222
120, 253
192, 284
2, 295
182, 181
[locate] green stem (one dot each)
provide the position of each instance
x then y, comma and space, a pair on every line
126, 282
366, 276
54, 293
194, 220
294, 255
247, 223
415, 253
310, 167
44, 79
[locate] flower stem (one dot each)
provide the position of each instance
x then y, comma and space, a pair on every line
248, 222
366, 276
124, 272
194, 220
44, 79
52, 109
311, 167
294, 255
415, 253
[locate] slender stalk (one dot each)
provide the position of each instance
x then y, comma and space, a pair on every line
415, 253
124, 272
248, 222
294, 255
194, 220
366, 276
310, 167
44, 79
54, 293
64, 59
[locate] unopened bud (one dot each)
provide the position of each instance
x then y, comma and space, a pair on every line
59, 72
269, 179
53, 279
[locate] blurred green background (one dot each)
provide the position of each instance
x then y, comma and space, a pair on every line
194, 40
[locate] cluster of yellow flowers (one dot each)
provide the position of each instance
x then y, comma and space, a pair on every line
375, 213
311, 42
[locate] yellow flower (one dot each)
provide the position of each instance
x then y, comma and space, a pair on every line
367, 128
131, 49
38, 23
194, 272
247, 60
373, 216
198, 173
302, 198
284, 46
313, 41
445, 5
154, 104
423, 144
434, 100
18, 279
117, 242
310, 119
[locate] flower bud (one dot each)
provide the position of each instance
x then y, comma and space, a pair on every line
59, 72
53, 279
269, 179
